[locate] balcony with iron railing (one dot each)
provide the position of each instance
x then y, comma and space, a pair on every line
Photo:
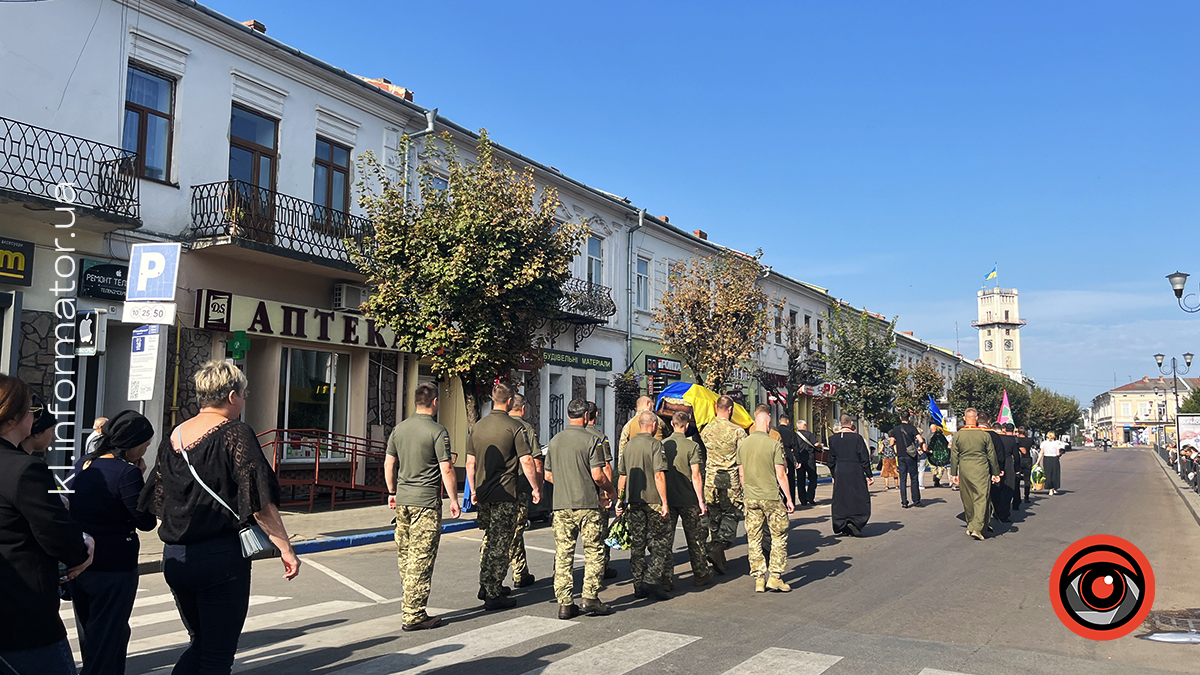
239, 213
584, 306
45, 169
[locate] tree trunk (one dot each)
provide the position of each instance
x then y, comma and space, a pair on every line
471, 401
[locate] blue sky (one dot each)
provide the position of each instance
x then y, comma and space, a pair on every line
892, 152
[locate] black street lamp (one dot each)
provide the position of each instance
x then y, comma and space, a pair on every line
1174, 372
1178, 282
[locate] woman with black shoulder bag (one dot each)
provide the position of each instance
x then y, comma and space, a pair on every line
218, 502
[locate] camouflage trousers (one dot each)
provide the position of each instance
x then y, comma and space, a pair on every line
723, 496
418, 533
766, 517
696, 535
570, 526
498, 521
605, 522
647, 529
516, 556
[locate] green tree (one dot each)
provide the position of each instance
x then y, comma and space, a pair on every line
862, 364
1191, 404
917, 384
984, 391
713, 315
464, 274
1051, 411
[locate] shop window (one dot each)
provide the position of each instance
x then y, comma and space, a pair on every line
314, 392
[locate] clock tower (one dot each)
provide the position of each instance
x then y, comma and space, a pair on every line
999, 326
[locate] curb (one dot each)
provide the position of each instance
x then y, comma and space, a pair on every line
326, 544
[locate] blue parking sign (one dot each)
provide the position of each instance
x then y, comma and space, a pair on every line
153, 270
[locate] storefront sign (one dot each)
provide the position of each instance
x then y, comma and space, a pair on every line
664, 366
573, 360
103, 281
226, 313
16, 262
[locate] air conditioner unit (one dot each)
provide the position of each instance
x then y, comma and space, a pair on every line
348, 297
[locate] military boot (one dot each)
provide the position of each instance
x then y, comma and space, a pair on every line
593, 607
655, 591
702, 580
499, 602
717, 556
760, 585
776, 584
568, 611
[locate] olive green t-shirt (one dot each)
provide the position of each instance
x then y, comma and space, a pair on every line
419, 444
643, 457
497, 443
573, 453
605, 447
681, 454
759, 454
523, 487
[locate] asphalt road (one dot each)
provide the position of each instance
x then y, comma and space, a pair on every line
916, 595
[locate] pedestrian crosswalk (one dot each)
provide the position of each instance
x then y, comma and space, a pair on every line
338, 633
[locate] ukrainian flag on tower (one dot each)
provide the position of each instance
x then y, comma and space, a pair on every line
991, 275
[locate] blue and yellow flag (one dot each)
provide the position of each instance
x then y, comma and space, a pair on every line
991, 275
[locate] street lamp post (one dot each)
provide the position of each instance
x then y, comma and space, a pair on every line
1175, 372
1178, 282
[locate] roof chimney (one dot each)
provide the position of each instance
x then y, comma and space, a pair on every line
1145, 378
255, 26
700, 234
907, 332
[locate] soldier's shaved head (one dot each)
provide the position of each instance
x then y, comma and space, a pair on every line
645, 403
724, 406
680, 420
762, 420
648, 422
971, 416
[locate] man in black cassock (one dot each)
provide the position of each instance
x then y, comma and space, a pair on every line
851, 507
1009, 458
1025, 454
806, 464
791, 451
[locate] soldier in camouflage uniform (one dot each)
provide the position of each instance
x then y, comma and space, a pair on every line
575, 466
416, 467
593, 414
517, 556
722, 488
685, 497
497, 448
643, 486
762, 471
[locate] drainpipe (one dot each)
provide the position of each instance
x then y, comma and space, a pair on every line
629, 290
430, 118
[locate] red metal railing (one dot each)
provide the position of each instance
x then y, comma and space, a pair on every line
325, 461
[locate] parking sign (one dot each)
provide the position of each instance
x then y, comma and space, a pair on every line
153, 270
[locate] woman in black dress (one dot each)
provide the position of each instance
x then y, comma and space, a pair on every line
851, 508
202, 557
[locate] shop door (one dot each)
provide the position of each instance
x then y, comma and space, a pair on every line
314, 389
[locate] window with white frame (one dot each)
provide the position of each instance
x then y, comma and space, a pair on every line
1144, 409
595, 260
643, 284
778, 326
1125, 409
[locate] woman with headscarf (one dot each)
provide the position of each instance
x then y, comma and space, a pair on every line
106, 486
851, 507
36, 533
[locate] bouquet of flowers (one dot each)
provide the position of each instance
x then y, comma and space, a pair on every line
1038, 475
618, 534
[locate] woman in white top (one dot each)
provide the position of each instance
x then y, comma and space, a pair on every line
1048, 460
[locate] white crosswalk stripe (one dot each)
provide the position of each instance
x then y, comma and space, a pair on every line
618, 656
68, 614
253, 623
467, 646
776, 661
935, 671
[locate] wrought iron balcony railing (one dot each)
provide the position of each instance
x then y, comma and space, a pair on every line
237, 209
585, 300
33, 161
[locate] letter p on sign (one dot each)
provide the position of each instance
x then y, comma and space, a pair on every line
154, 269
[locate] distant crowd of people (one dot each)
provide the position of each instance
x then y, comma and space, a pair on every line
1186, 462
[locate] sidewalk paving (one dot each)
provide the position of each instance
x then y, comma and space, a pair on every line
320, 530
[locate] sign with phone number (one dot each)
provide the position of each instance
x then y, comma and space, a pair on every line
148, 312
